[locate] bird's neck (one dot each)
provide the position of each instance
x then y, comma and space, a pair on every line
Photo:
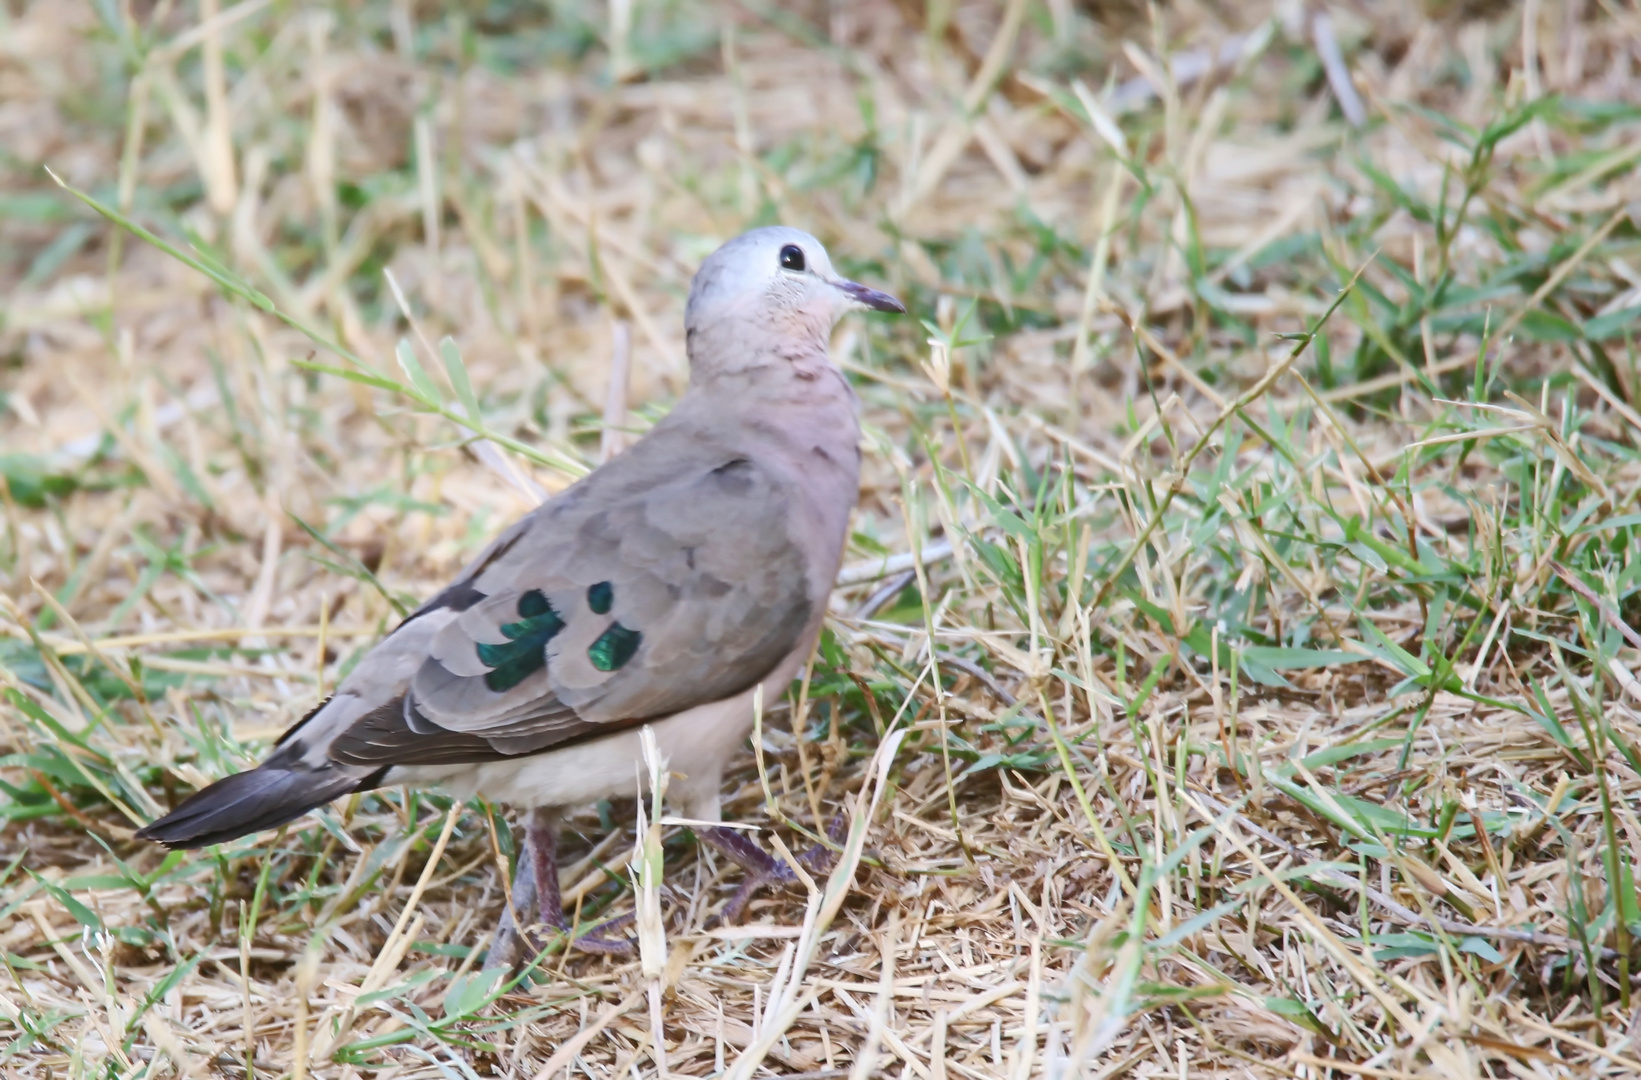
773, 366
787, 391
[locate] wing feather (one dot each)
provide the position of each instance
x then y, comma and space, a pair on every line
644, 590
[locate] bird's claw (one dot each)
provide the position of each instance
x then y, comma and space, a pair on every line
513, 948
595, 941
763, 869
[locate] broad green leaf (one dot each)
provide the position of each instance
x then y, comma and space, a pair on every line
1622, 521
1614, 324
1541, 325
472, 992
82, 914
1335, 754
1400, 658
1195, 923
426, 392
457, 372
1006, 519
1286, 659
1481, 947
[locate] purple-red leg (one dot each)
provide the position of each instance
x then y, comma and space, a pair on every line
761, 867
536, 892
542, 836
541, 839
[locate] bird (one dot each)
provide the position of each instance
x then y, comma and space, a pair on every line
668, 588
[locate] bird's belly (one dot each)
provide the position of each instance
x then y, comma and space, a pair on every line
693, 744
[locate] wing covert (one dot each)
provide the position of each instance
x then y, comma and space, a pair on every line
621, 601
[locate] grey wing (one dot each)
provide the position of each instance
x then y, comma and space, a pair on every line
623, 601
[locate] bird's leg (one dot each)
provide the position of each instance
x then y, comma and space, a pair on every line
740, 849
541, 840
536, 896
507, 947
541, 835
761, 867
819, 857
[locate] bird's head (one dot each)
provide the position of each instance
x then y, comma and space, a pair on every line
775, 284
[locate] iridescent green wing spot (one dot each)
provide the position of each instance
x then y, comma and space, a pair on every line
525, 651
614, 647
600, 597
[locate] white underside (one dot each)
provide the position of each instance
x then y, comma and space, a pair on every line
693, 744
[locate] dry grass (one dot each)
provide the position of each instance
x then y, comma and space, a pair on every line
1255, 705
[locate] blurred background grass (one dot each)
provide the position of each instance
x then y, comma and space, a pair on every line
1245, 554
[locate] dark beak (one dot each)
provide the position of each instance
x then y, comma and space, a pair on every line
877, 301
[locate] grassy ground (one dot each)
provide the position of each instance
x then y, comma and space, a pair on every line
1233, 674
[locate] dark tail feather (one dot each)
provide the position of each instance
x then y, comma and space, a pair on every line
248, 802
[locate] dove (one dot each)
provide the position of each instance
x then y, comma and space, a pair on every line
667, 588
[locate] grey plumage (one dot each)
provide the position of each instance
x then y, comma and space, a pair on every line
661, 589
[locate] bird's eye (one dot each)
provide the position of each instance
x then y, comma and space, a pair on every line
792, 257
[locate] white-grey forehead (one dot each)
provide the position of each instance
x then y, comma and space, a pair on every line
751, 260
770, 238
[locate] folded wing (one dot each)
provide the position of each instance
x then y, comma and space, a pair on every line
640, 593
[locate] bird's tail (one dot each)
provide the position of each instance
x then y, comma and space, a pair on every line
248, 802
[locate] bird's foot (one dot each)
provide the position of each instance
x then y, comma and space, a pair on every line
597, 940
506, 950
513, 947
763, 868
535, 892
